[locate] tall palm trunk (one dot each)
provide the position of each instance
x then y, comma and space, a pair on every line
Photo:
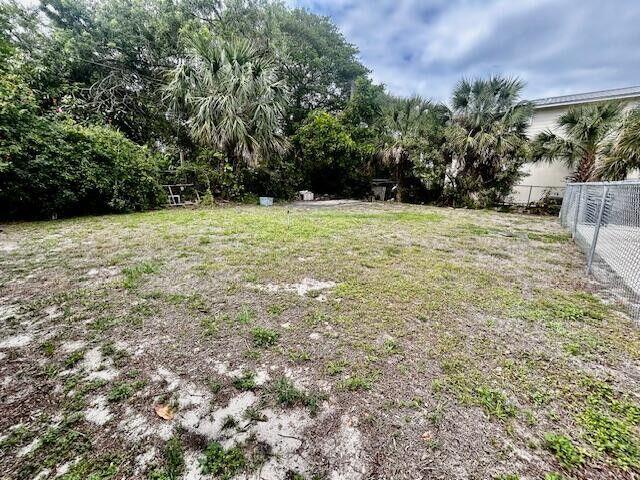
401, 166
586, 168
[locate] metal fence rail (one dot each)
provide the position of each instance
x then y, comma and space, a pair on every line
525, 194
604, 219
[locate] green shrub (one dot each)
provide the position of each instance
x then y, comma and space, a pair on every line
329, 159
52, 166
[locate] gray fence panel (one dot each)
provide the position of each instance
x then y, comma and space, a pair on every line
604, 219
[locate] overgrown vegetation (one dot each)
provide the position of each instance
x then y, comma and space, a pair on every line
109, 124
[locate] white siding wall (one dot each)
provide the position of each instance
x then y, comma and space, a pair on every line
545, 174
545, 119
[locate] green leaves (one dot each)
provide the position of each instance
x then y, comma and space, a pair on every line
563, 448
221, 463
486, 137
329, 158
231, 98
599, 142
623, 154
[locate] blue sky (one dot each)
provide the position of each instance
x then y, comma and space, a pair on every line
557, 46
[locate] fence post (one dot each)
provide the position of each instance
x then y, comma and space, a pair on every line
575, 215
529, 197
596, 230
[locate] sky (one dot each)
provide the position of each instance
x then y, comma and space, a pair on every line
557, 47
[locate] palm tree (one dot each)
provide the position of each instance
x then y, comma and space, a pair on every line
622, 154
486, 138
229, 97
404, 124
587, 134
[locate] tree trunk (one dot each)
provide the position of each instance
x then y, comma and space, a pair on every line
400, 167
585, 170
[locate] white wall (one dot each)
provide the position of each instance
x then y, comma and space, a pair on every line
541, 174
546, 174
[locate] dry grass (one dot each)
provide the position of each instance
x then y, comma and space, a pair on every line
369, 341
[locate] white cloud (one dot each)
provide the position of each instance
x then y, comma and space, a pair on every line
557, 47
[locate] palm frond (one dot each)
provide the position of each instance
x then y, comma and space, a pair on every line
622, 155
231, 96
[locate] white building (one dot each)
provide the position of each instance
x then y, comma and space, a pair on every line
542, 177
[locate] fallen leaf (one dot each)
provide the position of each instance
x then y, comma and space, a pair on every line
165, 411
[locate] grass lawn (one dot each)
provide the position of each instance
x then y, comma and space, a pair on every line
350, 342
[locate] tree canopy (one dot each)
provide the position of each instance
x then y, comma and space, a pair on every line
586, 130
255, 97
486, 139
229, 96
598, 141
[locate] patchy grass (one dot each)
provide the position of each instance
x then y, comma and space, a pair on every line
336, 367
221, 463
495, 403
431, 333
355, 383
173, 462
73, 359
286, 394
134, 275
124, 390
245, 316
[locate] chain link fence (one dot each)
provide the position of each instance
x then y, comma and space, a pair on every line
604, 219
522, 194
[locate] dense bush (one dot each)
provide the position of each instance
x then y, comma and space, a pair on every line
265, 100
50, 166
328, 158
277, 177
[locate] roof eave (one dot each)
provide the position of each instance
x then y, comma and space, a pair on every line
538, 106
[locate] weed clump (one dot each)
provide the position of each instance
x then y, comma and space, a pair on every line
288, 395
247, 381
564, 450
264, 337
221, 463
133, 275
124, 390
495, 403
355, 383
245, 316
337, 367
73, 359
609, 422
174, 462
